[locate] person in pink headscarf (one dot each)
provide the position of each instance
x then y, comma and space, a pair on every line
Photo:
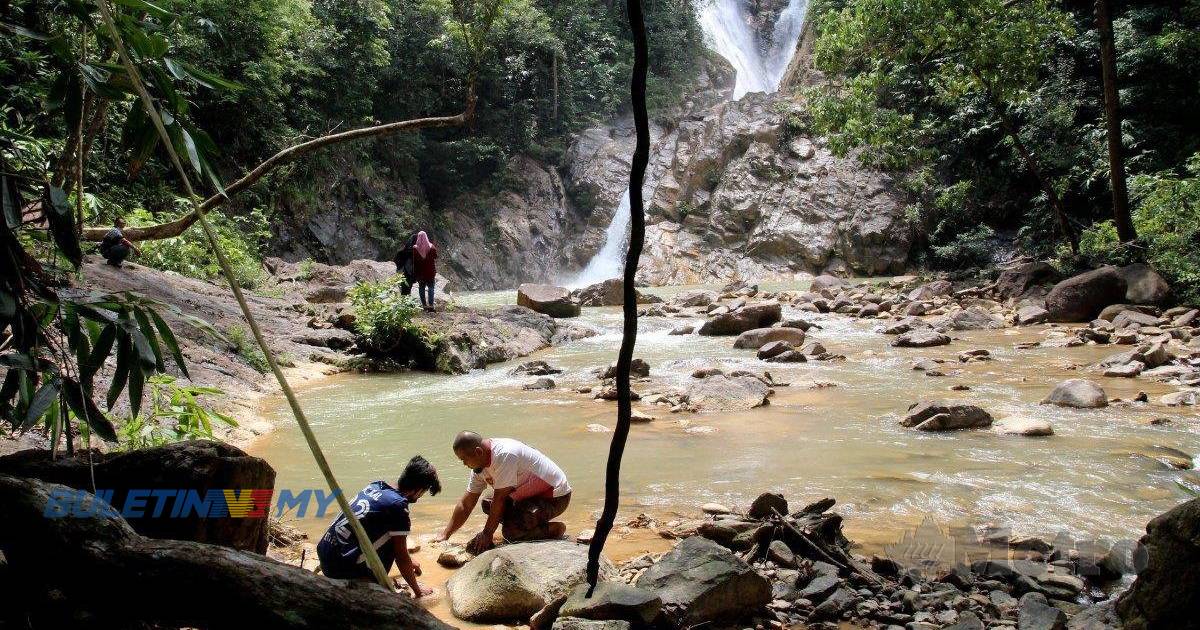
425, 262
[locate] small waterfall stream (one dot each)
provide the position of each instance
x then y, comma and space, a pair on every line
727, 28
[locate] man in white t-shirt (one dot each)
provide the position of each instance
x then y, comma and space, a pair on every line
528, 491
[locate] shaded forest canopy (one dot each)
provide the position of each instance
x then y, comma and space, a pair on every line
929, 88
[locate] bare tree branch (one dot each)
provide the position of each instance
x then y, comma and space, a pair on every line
286, 156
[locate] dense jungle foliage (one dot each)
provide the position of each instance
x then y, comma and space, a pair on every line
296, 69
948, 93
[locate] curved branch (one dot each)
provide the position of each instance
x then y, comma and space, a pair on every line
290, 154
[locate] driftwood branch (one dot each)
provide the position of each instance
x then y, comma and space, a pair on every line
288, 155
72, 571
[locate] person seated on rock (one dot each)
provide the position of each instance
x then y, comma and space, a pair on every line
383, 512
529, 491
115, 247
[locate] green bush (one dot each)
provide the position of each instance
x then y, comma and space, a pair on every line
1167, 219
176, 414
972, 248
242, 238
382, 314
1099, 245
248, 349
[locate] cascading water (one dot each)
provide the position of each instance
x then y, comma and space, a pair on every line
727, 29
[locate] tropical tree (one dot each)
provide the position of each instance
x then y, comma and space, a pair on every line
905, 69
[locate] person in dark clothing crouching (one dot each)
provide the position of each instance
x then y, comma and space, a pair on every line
115, 247
383, 512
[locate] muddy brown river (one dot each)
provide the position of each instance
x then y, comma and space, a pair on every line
1098, 476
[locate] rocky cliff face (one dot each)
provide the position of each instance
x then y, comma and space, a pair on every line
733, 191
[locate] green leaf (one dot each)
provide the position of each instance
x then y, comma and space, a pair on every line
17, 360
189, 146
45, 395
11, 199
137, 380
24, 32
84, 409
148, 332
57, 210
168, 337
142, 5
124, 359
144, 351
210, 80
100, 352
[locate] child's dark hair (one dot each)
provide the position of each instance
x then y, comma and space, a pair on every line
419, 474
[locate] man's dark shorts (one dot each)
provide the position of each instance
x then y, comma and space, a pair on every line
526, 519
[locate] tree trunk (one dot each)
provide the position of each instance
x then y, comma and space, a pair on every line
288, 155
97, 572
1112, 119
554, 86
1031, 163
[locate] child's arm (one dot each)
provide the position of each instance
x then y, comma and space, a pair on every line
409, 569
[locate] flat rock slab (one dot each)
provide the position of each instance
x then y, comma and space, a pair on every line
513, 582
925, 338
727, 393
1030, 427
759, 337
613, 600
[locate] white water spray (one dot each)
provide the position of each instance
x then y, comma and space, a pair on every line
727, 29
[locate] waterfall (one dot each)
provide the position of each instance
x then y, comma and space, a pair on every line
727, 29
610, 260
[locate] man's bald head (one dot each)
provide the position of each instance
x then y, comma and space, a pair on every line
467, 440
471, 450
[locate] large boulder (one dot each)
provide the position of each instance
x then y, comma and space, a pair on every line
1018, 280
826, 281
749, 317
940, 415
1079, 393
694, 297
928, 291
759, 337
201, 466
1081, 298
610, 292
1166, 593
547, 299
970, 318
719, 392
701, 582
1143, 285
514, 581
